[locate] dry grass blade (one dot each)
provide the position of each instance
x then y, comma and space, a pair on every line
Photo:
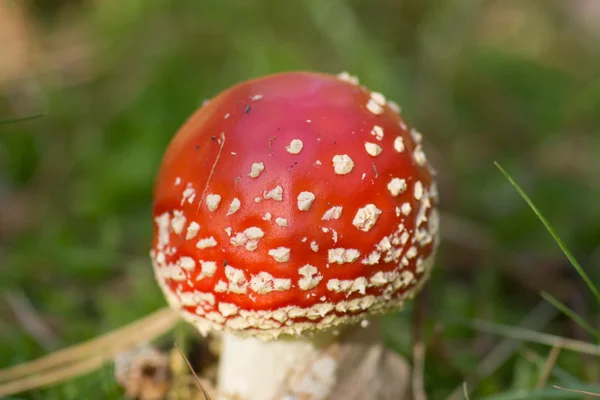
537, 318
51, 377
559, 374
548, 366
577, 391
528, 335
85, 357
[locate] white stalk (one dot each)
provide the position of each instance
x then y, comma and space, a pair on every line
253, 369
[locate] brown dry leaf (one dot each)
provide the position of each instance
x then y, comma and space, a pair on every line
144, 373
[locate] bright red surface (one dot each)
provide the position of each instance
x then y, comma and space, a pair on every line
259, 131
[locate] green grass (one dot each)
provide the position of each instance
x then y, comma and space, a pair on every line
510, 81
582, 274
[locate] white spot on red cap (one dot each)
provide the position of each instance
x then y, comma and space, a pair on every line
295, 146
192, 230
234, 206
275, 194
281, 221
397, 186
372, 258
374, 108
189, 194
178, 221
373, 149
394, 106
267, 216
411, 252
416, 135
406, 208
305, 200
419, 155
418, 190
187, 263
213, 201
310, 277
220, 287
377, 131
264, 282
256, 169
341, 255
366, 217
207, 269
249, 238
378, 98
227, 309
206, 243
333, 213
280, 254
237, 280
342, 164
314, 246
346, 77
399, 144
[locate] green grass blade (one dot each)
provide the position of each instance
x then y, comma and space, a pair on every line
20, 119
571, 314
557, 239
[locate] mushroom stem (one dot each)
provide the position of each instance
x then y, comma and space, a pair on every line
254, 369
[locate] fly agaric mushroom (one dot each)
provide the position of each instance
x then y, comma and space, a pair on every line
288, 205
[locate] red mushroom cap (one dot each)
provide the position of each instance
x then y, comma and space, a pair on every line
293, 202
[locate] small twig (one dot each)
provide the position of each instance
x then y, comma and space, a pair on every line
196, 377
270, 142
576, 391
548, 366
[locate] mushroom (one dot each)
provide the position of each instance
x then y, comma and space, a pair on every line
286, 208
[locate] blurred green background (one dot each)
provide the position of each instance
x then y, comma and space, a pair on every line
512, 81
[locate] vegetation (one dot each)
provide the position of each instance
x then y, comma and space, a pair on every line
488, 81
